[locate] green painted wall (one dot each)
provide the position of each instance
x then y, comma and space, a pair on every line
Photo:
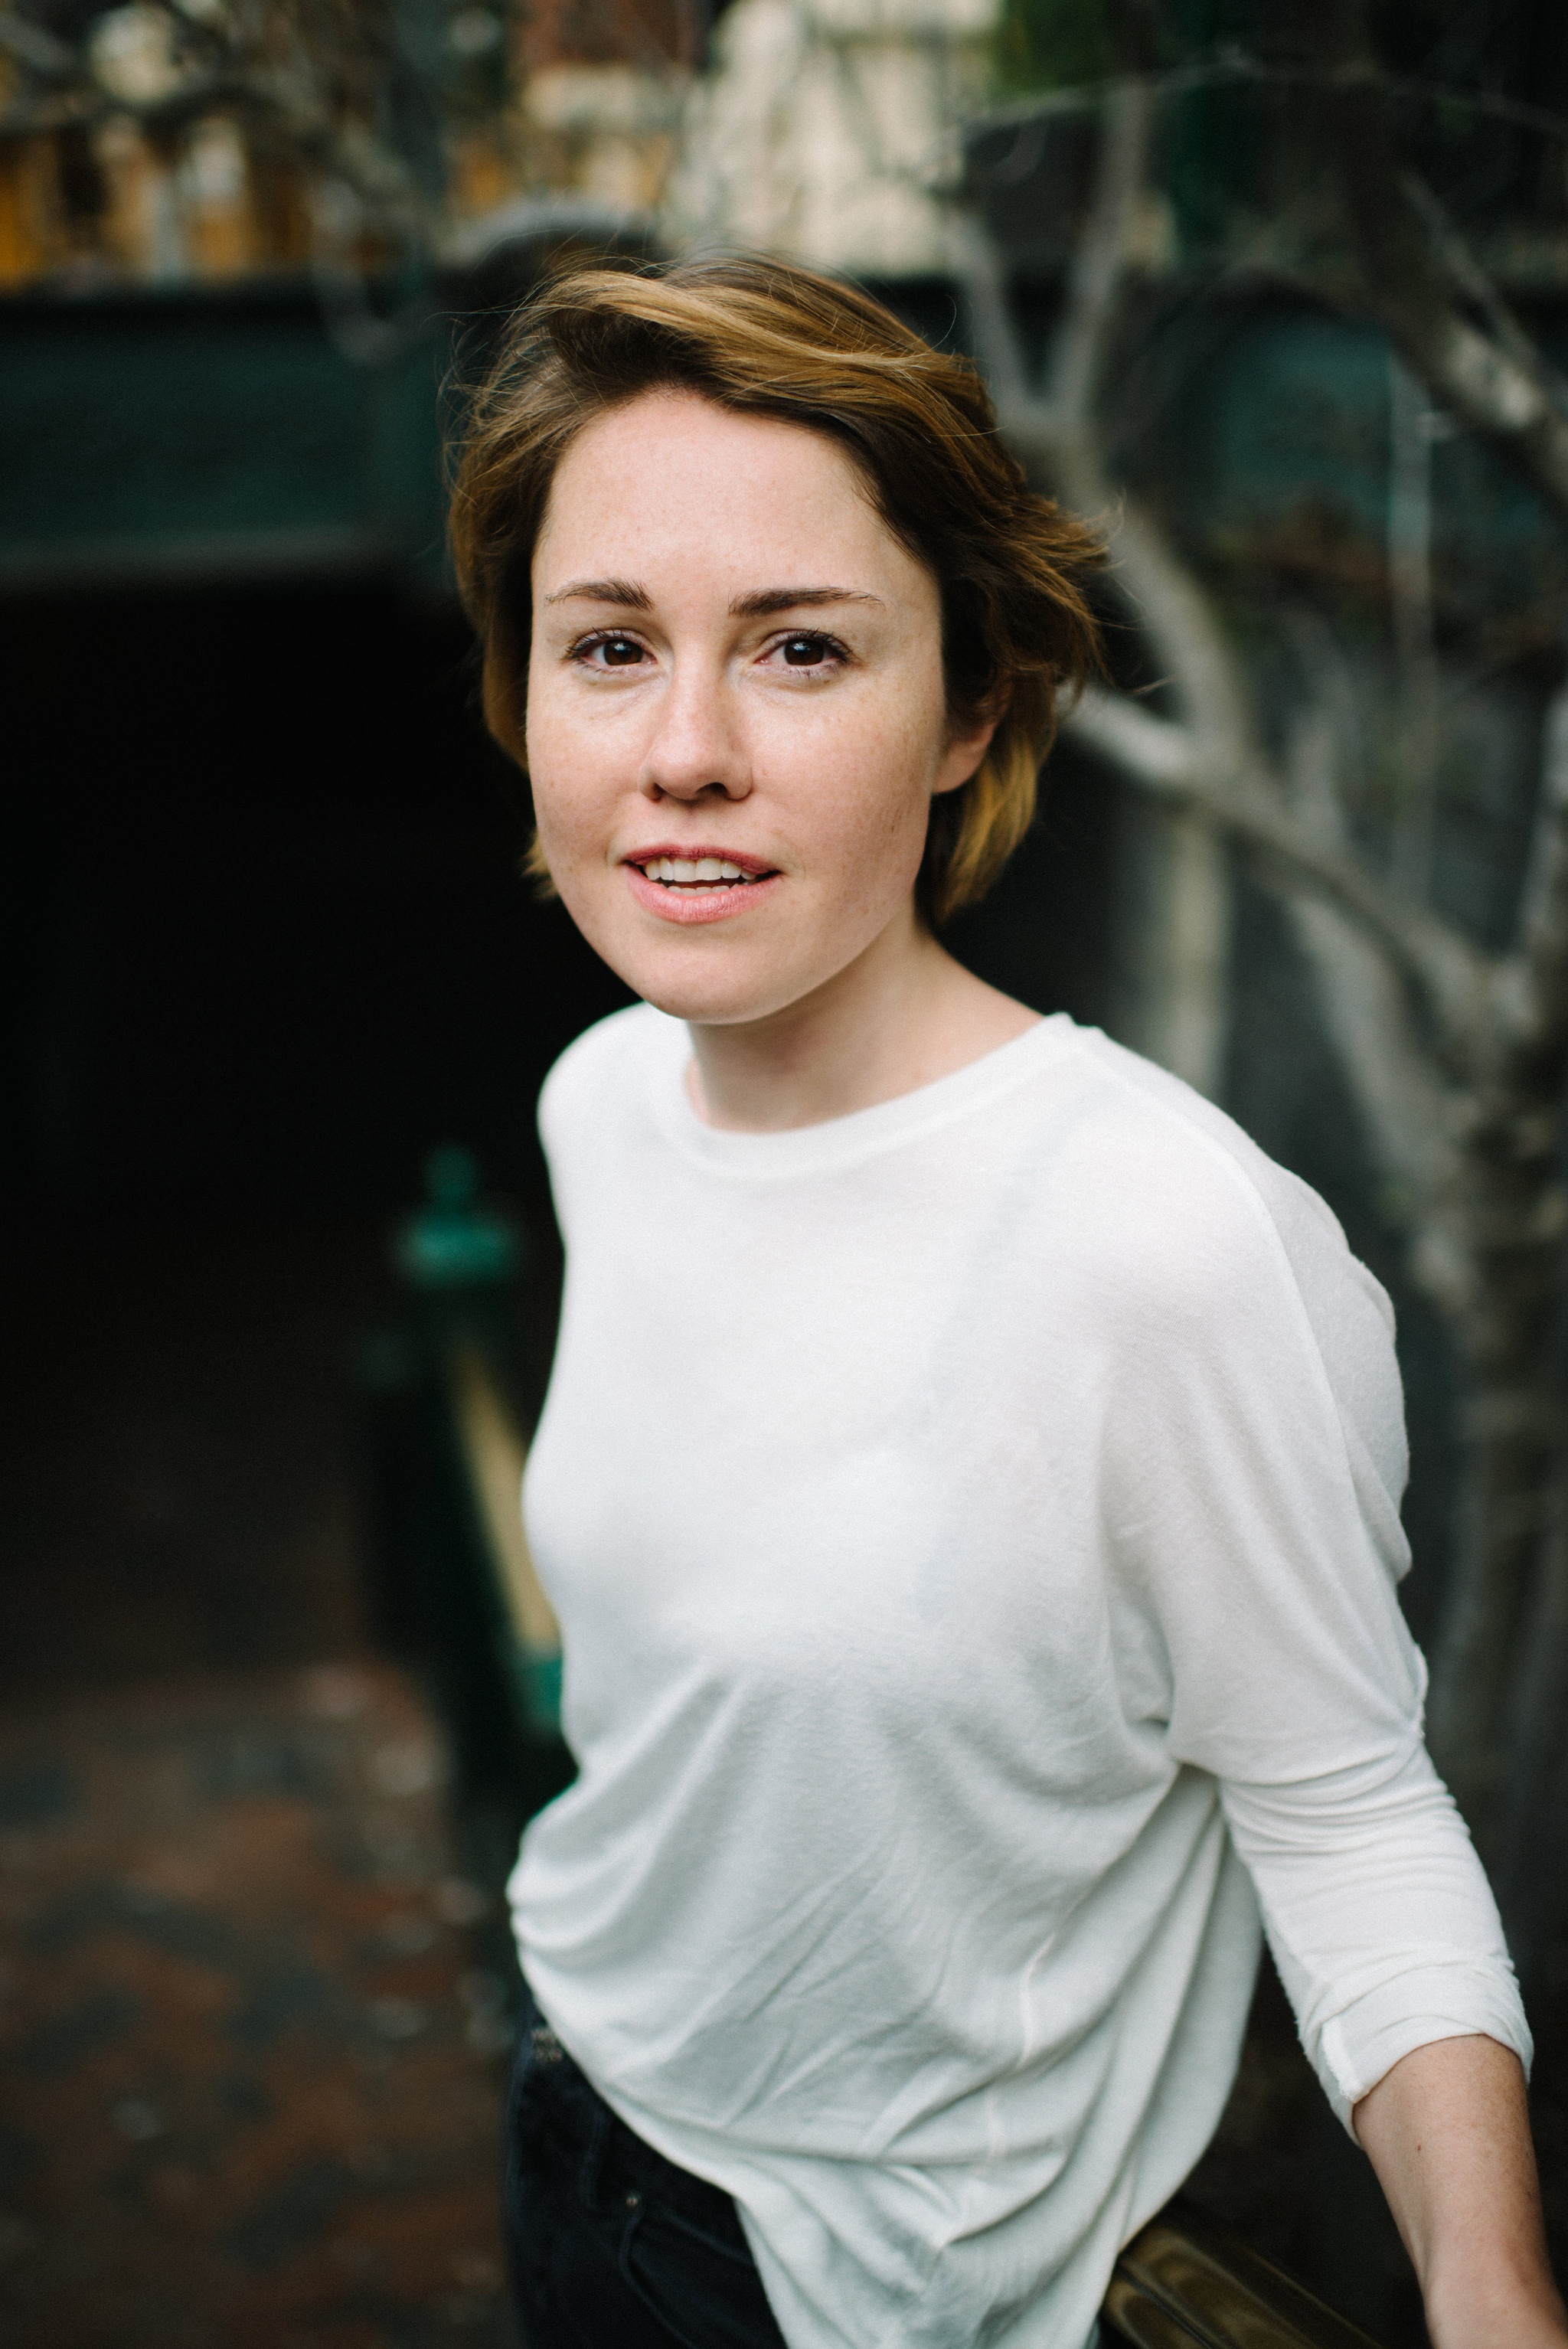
189, 436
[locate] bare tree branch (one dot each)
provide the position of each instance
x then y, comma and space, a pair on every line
32, 45
1057, 435
1153, 751
1453, 977
1468, 278
1496, 382
1181, 1015
1236, 70
1399, 1096
1214, 763
1095, 275
992, 334
1534, 990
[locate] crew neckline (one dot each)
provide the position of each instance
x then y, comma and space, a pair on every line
840, 1141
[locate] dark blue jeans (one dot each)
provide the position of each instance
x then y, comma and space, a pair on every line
612, 2246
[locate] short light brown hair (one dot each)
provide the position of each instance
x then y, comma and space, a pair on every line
765, 338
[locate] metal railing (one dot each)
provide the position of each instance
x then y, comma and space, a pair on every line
1183, 2283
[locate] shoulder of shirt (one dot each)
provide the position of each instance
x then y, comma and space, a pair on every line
1190, 1234
1191, 1198
595, 1067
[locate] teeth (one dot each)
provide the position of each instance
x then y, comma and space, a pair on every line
688, 869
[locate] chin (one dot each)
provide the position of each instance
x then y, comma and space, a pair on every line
705, 1001
711, 990
719, 976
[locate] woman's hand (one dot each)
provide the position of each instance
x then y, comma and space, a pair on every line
1448, 2132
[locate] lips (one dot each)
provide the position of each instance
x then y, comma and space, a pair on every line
697, 883
685, 864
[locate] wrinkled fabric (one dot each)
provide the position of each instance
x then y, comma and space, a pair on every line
974, 1524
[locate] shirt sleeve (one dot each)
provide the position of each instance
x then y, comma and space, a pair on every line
1256, 1533
1379, 1918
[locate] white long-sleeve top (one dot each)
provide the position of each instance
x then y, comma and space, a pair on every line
973, 1528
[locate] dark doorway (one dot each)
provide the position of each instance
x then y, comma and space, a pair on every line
274, 946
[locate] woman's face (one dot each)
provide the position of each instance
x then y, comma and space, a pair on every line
736, 708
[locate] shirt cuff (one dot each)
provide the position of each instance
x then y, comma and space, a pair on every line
1358, 2046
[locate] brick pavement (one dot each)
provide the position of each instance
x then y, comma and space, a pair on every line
250, 2050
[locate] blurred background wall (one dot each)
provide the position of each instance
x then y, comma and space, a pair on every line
270, 946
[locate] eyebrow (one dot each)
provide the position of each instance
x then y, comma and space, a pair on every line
766, 600
625, 592
631, 598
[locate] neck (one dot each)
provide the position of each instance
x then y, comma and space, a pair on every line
902, 1015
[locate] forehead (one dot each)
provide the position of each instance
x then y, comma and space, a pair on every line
672, 481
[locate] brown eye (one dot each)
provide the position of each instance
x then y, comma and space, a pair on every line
803, 652
620, 652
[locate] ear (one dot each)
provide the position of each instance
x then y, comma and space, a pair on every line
968, 748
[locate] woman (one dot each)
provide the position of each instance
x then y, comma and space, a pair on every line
969, 1479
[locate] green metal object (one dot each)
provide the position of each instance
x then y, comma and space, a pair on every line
445, 1444
536, 1684
453, 1242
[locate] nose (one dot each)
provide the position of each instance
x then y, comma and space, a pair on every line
697, 746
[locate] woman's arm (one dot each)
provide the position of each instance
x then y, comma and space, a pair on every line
1449, 2136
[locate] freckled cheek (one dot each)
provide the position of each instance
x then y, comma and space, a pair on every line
576, 786
877, 797
864, 852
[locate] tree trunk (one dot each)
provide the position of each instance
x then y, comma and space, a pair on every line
1173, 947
